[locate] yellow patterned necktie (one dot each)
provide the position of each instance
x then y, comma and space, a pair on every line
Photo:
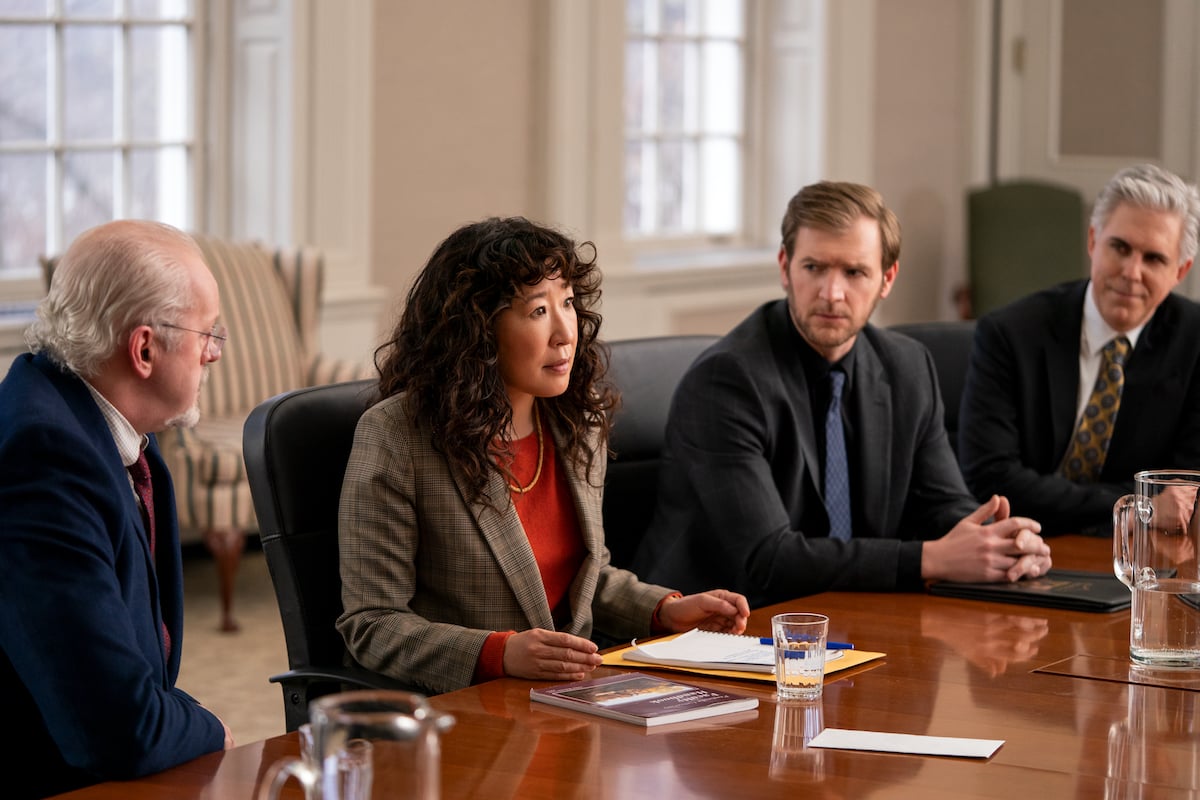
1089, 445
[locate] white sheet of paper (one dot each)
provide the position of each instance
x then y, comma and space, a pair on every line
842, 739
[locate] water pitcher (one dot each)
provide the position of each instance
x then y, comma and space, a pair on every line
1156, 537
366, 745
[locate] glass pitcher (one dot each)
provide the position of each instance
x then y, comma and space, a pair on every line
1156, 538
364, 745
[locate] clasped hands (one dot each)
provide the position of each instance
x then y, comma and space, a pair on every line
1006, 549
553, 655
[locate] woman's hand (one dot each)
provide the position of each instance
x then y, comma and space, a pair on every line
549, 656
714, 610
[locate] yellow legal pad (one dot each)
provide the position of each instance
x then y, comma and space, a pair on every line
849, 658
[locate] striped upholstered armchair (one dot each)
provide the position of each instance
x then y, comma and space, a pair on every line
270, 302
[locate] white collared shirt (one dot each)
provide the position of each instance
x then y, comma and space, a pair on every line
130, 443
1093, 335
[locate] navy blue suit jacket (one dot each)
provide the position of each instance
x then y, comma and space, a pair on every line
89, 692
1021, 396
739, 494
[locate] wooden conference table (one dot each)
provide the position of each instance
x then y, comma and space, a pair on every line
953, 668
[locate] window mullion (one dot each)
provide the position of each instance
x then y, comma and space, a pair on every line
122, 118
57, 100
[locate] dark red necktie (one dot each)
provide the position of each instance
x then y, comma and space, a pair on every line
140, 472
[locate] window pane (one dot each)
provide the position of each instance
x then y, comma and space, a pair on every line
672, 86
684, 107
723, 18
639, 15
87, 191
158, 83
88, 8
722, 186
24, 8
680, 16
722, 87
634, 180
22, 211
89, 102
670, 187
635, 85
159, 9
689, 193
159, 181
24, 70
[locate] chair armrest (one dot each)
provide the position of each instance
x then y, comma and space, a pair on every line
302, 686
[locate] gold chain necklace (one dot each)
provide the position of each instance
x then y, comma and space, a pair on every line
537, 426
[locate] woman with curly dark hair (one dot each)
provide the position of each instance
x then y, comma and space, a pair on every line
471, 540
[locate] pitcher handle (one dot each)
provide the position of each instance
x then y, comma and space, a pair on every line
1122, 535
278, 773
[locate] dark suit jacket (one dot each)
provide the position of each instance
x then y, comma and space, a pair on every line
426, 577
89, 693
739, 500
1019, 406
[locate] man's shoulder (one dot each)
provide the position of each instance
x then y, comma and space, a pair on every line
756, 341
1045, 304
894, 348
39, 401
30, 388
1180, 311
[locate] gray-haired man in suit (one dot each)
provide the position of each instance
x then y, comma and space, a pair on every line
1026, 429
772, 487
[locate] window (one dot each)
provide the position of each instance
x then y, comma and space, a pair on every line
97, 121
684, 153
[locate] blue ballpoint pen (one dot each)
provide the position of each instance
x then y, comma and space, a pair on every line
828, 645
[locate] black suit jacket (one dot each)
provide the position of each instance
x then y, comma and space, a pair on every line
739, 498
1019, 407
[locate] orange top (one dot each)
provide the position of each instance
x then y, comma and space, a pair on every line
547, 512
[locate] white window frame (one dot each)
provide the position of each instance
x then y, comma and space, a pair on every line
19, 290
654, 137
784, 148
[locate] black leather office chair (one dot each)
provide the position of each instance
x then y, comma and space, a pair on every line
296, 446
950, 345
647, 372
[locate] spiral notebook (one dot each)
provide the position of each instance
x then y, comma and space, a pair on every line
709, 650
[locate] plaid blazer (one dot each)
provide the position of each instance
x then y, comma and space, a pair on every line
427, 576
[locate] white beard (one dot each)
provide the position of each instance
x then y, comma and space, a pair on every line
187, 419
191, 417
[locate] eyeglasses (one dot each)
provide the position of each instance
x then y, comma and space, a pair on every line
216, 337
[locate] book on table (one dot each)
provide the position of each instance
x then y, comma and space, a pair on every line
1059, 588
642, 699
709, 650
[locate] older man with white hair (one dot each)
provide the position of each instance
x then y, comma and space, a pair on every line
91, 605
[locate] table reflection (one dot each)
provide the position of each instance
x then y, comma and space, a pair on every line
525, 749
992, 642
1156, 745
796, 723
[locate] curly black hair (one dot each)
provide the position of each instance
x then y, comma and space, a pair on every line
442, 353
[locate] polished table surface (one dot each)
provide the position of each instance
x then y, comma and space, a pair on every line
953, 668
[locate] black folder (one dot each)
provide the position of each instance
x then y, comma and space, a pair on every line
1059, 588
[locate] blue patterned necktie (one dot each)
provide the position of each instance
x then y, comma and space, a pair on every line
1085, 454
837, 471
